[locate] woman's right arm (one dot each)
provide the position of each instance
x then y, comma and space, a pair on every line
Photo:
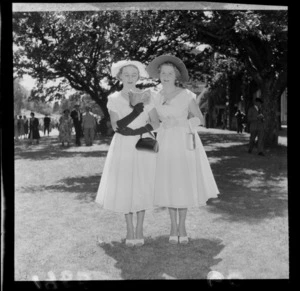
195, 110
114, 117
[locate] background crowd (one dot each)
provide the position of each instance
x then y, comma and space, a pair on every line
84, 124
87, 125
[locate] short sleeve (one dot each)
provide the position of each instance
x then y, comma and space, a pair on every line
111, 103
191, 96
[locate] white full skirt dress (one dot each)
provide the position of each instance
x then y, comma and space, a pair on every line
183, 177
127, 182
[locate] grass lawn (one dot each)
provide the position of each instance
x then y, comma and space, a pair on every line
58, 226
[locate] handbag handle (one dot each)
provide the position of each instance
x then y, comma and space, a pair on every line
150, 133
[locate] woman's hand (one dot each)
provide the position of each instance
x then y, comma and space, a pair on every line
139, 97
139, 108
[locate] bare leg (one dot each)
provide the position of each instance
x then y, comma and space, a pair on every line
139, 225
173, 217
129, 224
182, 216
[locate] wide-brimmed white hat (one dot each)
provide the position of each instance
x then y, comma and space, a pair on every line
152, 68
115, 68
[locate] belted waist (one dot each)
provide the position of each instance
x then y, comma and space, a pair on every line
173, 122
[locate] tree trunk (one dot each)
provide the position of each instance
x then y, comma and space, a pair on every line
102, 103
270, 111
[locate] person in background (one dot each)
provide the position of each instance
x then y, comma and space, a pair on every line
52, 124
16, 128
21, 127
214, 119
207, 120
77, 121
98, 127
240, 116
103, 126
88, 126
256, 126
47, 121
26, 126
224, 120
96, 123
34, 129
65, 128
57, 124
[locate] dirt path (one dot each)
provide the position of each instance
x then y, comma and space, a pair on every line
242, 234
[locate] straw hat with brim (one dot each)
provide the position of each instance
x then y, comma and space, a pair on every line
115, 68
153, 72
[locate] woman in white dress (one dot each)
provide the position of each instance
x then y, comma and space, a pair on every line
127, 182
183, 175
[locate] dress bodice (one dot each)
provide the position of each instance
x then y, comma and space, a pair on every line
118, 104
175, 111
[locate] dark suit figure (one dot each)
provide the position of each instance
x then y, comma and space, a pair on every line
34, 128
77, 120
207, 120
256, 126
26, 125
47, 121
239, 120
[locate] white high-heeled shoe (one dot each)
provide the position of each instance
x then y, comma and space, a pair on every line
183, 240
139, 242
173, 239
130, 242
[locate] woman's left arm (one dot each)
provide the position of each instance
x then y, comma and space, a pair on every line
195, 110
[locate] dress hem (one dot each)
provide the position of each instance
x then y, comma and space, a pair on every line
124, 212
183, 206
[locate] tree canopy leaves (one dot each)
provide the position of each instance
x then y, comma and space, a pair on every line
79, 47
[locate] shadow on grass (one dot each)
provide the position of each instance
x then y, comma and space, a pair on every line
59, 153
158, 259
85, 187
251, 187
50, 148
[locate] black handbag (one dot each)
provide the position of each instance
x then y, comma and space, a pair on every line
147, 144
